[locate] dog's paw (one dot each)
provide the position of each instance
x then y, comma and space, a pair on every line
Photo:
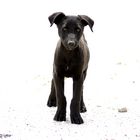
83, 109
76, 119
51, 102
60, 116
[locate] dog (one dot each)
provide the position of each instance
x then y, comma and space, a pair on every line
70, 60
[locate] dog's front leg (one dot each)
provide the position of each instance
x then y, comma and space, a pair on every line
75, 103
61, 100
52, 98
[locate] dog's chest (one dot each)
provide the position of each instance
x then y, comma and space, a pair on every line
68, 70
68, 66
71, 67
70, 63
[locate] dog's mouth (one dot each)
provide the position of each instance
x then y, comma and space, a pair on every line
69, 48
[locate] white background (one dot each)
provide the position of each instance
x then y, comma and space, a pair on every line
27, 45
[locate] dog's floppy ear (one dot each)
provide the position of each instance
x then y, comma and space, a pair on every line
87, 21
56, 17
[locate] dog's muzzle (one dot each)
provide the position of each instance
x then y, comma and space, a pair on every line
71, 42
71, 45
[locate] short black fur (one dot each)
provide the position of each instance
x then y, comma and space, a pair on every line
70, 60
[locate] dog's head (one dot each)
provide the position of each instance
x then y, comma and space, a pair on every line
70, 28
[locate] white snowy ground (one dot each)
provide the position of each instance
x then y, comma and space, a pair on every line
27, 44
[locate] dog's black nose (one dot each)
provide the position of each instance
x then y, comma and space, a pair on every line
71, 43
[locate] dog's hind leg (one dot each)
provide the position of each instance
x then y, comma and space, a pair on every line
52, 98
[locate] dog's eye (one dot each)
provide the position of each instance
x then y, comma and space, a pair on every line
78, 30
65, 29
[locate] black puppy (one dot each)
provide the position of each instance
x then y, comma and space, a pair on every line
70, 60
